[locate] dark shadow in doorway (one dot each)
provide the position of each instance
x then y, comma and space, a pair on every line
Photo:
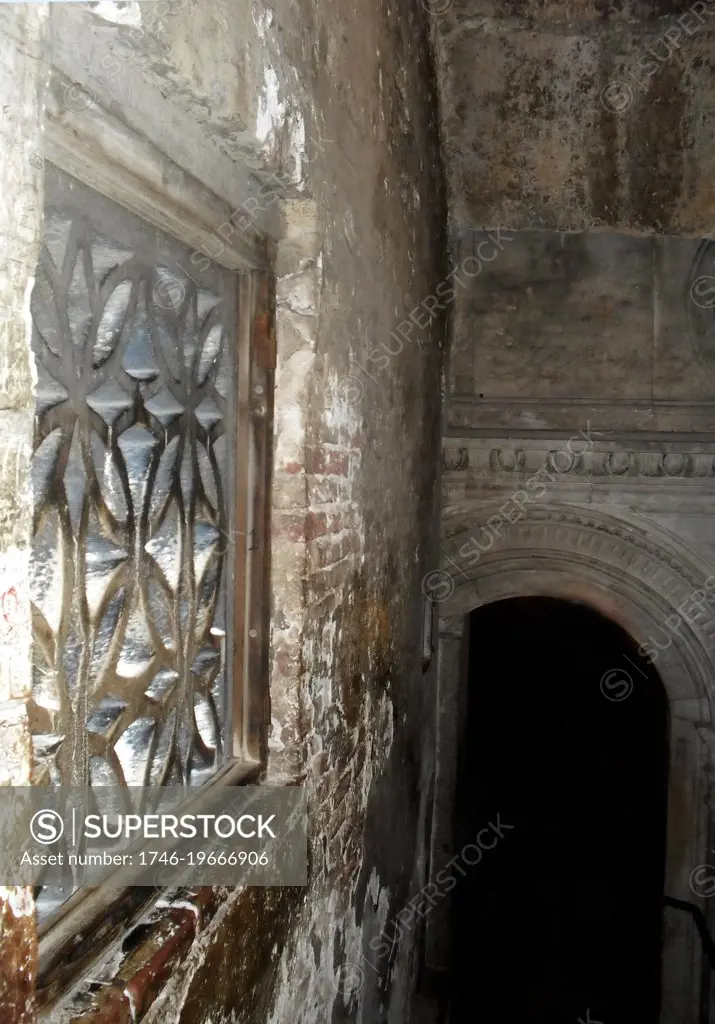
566, 741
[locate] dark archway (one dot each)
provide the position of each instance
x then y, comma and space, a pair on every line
566, 742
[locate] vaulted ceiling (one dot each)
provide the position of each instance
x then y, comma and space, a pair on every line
578, 113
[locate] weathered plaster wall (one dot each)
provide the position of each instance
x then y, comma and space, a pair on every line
545, 319
335, 107
22, 30
568, 115
596, 332
579, 463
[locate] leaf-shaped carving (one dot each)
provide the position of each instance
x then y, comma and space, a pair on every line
128, 614
164, 751
163, 685
111, 323
205, 302
139, 360
217, 626
47, 571
108, 478
188, 335
49, 392
186, 477
101, 774
105, 717
208, 586
169, 291
206, 544
206, 722
72, 650
103, 560
220, 449
223, 377
79, 301
107, 256
56, 237
210, 352
133, 749
108, 638
44, 465
165, 546
208, 478
137, 653
45, 311
205, 666
163, 480
137, 445
45, 690
165, 312
159, 614
185, 732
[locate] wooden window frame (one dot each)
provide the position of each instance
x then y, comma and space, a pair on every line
104, 154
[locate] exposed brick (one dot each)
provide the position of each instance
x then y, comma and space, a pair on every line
327, 462
18, 938
110, 1006
325, 489
289, 491
328, 580
286, 661
325, 551
289, 526
159, 957
324, 606
306, 527
319, 523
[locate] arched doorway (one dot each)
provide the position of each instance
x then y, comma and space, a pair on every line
662, 593
565, 759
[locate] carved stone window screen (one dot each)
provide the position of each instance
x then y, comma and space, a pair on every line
149, 565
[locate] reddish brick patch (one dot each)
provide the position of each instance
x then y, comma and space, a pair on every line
327, 462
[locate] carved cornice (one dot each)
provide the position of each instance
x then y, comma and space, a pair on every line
455, 459
614, 463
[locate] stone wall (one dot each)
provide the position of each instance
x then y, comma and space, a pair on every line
22, 29
577, 113
332, 109
606, 334
579, 463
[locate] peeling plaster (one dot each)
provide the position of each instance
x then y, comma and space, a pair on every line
19, 899
336, 914
297, 145
118, 13
274, 740
271, 110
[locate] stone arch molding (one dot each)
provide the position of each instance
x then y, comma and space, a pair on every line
631, 570
645, 579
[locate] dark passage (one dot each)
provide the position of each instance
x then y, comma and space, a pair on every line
561, 919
